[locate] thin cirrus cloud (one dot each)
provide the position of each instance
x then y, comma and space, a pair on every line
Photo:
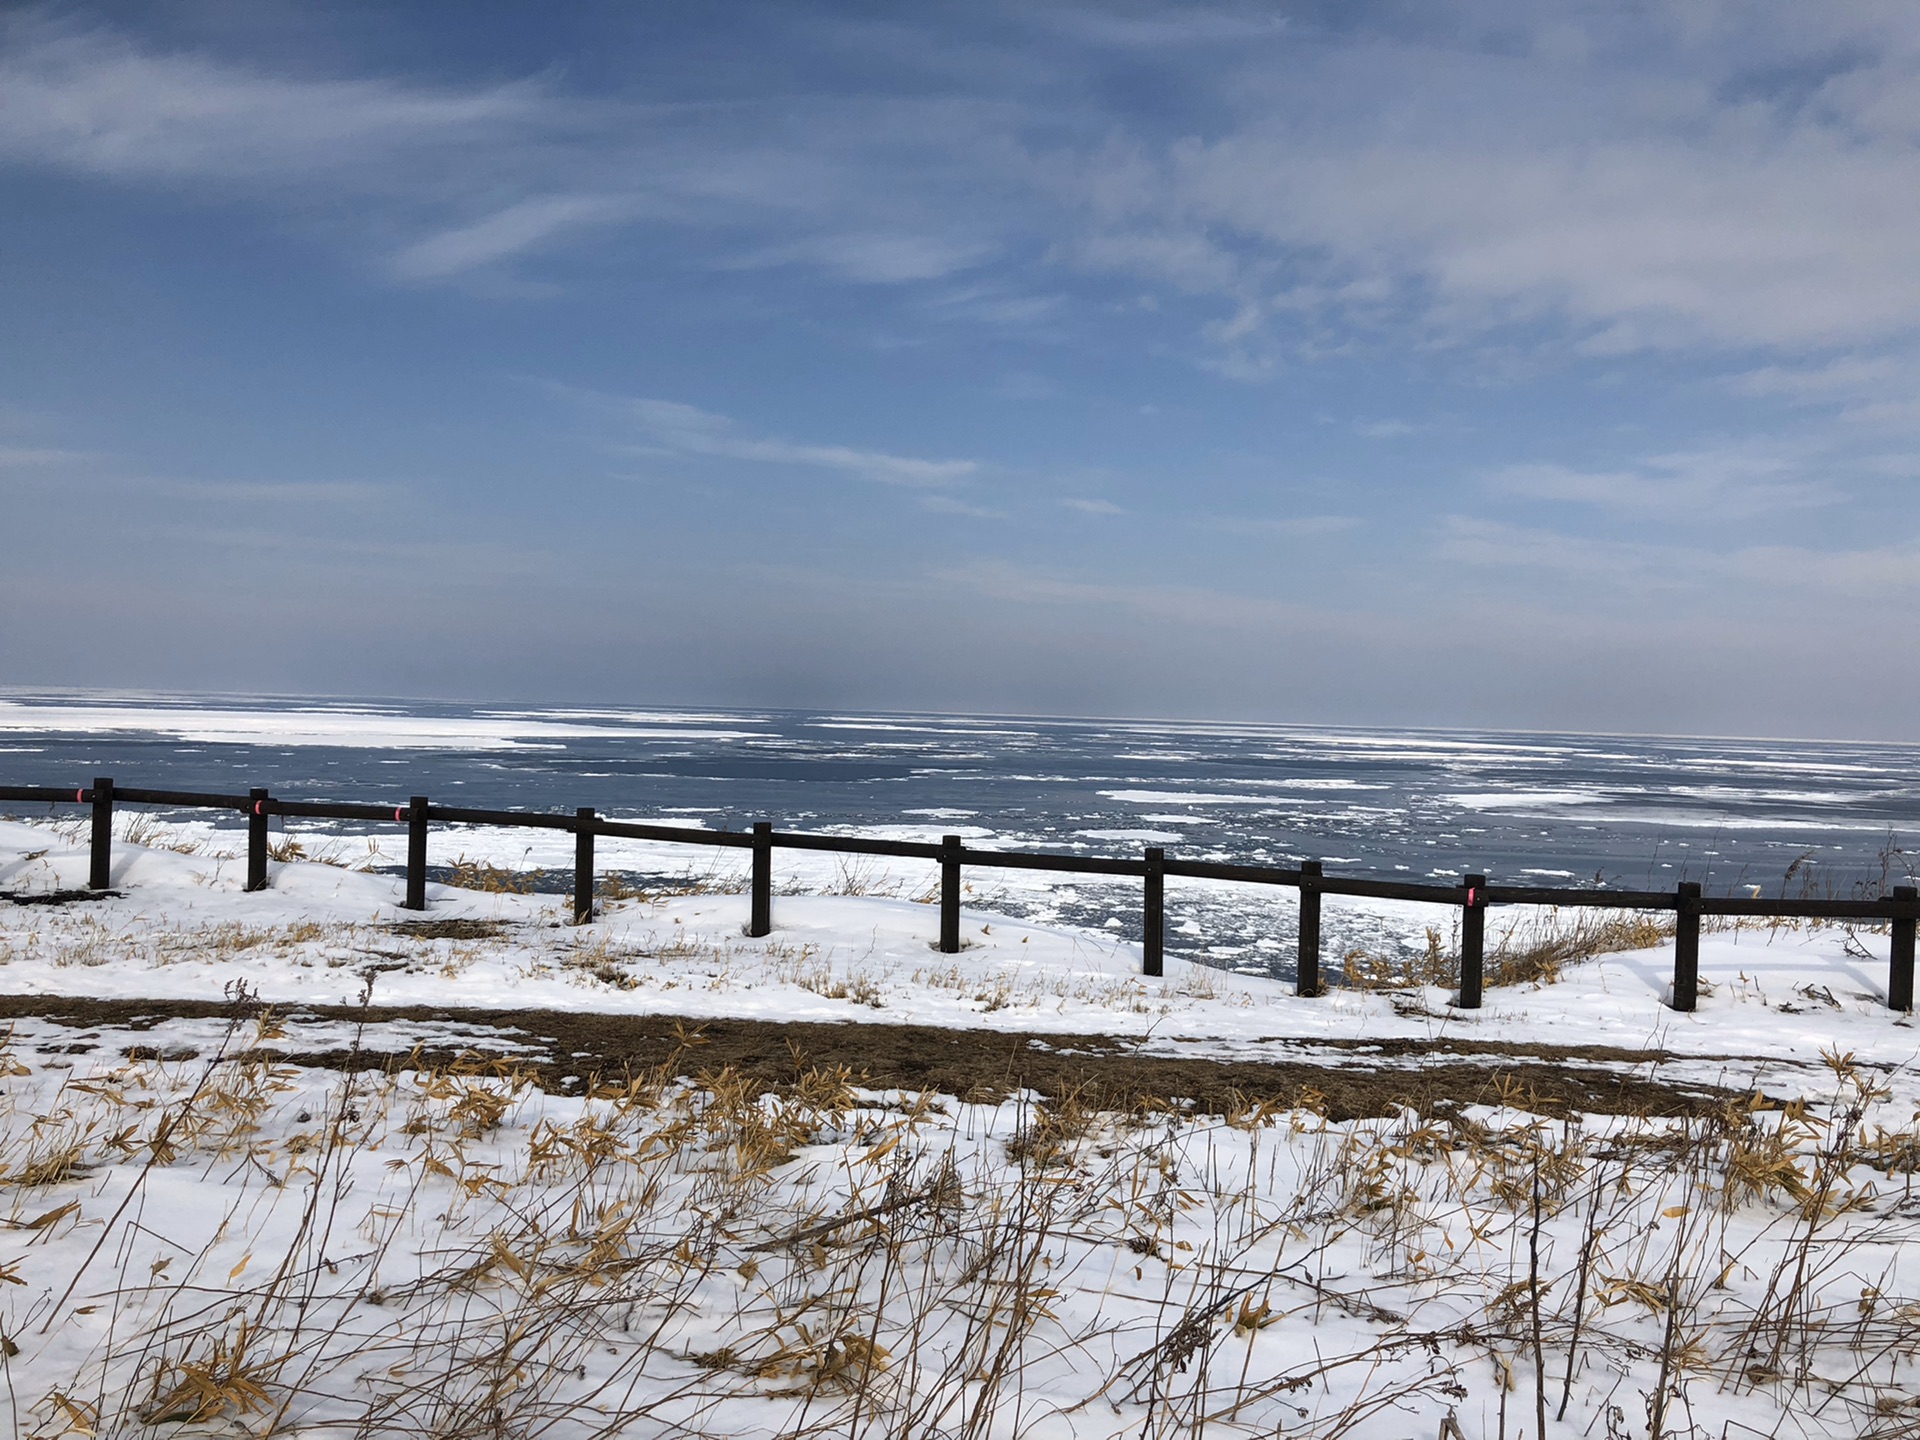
894, 258
1846, 377
1388, 429
1625, 185
948, 505
1198, 605
404, 156
474, 177
521, 227
1618, 564
1732, 479
94, 100
671, 427
1295, 526
1874, 392
25, 455
1650, 568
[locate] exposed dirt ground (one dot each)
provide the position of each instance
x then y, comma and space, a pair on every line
565, 1051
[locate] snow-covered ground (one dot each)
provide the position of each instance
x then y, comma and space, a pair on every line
225, 1243
1777, 997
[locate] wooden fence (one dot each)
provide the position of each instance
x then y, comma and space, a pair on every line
1472, 897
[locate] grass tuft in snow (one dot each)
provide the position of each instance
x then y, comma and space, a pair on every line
230, 1241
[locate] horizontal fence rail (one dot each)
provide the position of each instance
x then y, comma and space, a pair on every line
1900, 909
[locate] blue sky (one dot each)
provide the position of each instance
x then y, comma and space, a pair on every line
1524, 365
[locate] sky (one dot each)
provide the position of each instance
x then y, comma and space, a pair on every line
1544, 366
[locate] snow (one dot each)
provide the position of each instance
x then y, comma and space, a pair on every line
177, 928
387, 1234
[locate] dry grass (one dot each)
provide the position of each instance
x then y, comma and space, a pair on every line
1365, 970
234, 1246
1533, 948
450, 929
494, 879
292, 849
140, 828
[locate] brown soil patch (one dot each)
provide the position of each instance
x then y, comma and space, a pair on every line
1103, 1072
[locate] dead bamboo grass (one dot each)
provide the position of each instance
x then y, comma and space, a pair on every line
446, 1251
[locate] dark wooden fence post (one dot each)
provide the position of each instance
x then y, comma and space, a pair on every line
256, 840
583, 865
1900, 952
1473, 943
1153, 935
1686, 945
416, 854
100, 868
1306, 976
949, 894
760, 922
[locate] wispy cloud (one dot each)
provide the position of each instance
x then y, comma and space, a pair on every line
104, 481
342, 493
512, 231
94, 100
1844, 378
439, 181
1861, 572
1623, 192
435, 181
1614, 184
873, 258
1873, 392
947, 505
1494, 544
1388, 429
24, 455
1003, 580
675, 428
1732, 479
1291, 526
1186, 25
1092, 506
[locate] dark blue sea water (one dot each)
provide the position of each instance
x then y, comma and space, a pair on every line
1636, 811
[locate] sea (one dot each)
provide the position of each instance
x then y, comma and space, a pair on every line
1628, 811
